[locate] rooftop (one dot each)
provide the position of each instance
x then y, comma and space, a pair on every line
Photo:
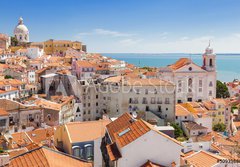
86, 131
46, 157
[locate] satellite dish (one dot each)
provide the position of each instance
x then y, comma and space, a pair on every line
134, 114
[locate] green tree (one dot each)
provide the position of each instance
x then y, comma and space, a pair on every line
177, 130
220, 127
222, 90
8, 77
14, 41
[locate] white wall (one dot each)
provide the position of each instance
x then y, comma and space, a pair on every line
151, 146
97, 153
196, 146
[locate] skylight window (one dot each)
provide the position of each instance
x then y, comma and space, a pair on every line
124, 132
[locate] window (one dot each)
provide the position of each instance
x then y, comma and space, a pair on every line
190, 85
185, 117
176, 117
166, 109
153, 100
144, 100
200, 83
137, 91
210, 93
190, 68
210, 62
2, 122
96, 96
89, 104
146, 91
97, 104
167, 101
89, 112
210, 84
200, 89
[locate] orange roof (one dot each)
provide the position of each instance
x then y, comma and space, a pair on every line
86, 131
11, 82
134, 131
203, 159
19, 139
237, 124
151, 164
125, 130
180, 63
181, 111
82, 63
122, 122
48, 158
3, 112
40, 135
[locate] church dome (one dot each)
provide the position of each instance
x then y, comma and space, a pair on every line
21, 28
21, 31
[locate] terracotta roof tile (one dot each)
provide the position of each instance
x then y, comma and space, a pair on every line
47, 158
86, 131
203, 159
3, 112
151, 164
180, 63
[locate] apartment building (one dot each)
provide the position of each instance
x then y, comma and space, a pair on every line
122, 94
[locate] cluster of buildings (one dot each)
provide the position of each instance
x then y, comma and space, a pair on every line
57, 101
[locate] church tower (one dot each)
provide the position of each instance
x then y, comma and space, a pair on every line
21, 32
209, 59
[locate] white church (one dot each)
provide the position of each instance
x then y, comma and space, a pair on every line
193, 82
21, 32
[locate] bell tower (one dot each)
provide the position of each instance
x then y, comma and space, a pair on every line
209, 59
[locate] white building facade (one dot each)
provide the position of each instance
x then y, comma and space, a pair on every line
193, 82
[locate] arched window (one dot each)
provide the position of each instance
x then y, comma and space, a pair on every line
190, 85
210, 62
210, 84
25, 37
76, 151
20, 37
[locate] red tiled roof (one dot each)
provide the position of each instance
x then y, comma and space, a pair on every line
45, 157
151, 164
180, 63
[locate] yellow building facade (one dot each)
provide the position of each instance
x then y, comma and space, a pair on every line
60, 46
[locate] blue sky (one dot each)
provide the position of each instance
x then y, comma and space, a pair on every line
156, 26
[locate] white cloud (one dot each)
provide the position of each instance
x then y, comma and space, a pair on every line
105, 32
129, 41
124, 42
237, 35
184, 38
111, 33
